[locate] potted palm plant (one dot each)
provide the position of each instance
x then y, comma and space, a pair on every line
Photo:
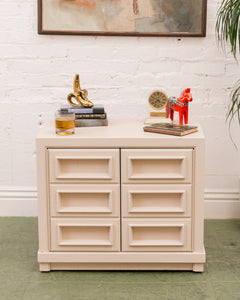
228, 33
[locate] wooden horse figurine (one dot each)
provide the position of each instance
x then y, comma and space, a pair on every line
181, 105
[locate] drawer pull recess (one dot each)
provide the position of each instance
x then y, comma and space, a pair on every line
145, 234
90, 235
156, 202
84, 167
75, 234
157, 167
156, 235
85, 202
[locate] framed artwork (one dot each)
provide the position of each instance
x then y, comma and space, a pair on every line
123, 17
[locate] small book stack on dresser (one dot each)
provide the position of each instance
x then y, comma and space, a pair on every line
88, 117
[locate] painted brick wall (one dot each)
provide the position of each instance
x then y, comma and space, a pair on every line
36, 75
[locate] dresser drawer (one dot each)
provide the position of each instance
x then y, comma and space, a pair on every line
157, 165
85, 200
85, 234
155, 200
84, 165
156, 235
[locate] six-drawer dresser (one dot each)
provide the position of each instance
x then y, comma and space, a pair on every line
118, 198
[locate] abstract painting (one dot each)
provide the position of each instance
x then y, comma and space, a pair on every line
123, 17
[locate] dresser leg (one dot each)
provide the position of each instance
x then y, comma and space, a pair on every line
198, 267
44, 267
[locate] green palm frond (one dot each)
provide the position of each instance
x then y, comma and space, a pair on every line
228, 32
228, 25
234, 105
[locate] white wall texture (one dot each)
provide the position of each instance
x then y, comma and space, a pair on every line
36, 75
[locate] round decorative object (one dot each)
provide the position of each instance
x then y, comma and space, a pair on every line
158, 100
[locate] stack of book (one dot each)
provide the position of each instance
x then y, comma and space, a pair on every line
170, 128
88, 117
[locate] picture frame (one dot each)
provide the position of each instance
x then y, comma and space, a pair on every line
123, 17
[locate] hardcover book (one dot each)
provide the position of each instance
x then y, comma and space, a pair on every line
96, 109
90, 122
90, 116
169, 128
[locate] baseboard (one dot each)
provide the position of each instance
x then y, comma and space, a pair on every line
222, 204
18, 202
219, 204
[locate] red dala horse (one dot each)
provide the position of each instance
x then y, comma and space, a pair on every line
181, 105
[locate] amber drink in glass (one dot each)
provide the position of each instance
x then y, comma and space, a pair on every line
64, 122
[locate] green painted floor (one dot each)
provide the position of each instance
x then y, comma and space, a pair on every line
21, 280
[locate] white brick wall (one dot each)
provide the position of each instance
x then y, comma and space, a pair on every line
36, 75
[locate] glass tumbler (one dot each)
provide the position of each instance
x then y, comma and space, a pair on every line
64, 122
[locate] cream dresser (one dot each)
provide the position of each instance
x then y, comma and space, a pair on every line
119, 198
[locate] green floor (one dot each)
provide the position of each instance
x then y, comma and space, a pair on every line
21, 280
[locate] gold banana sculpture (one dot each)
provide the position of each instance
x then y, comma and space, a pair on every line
79, 95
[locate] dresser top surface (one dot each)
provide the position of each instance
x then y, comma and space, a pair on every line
119, 133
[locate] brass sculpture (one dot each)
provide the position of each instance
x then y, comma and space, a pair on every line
79, 95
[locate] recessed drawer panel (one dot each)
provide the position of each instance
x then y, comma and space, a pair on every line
156, 235
151, 200
157, 165
85, 235
84, 165
85, 200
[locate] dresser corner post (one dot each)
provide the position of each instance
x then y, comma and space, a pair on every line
44, 267
198, 208
42, 196
198, 268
